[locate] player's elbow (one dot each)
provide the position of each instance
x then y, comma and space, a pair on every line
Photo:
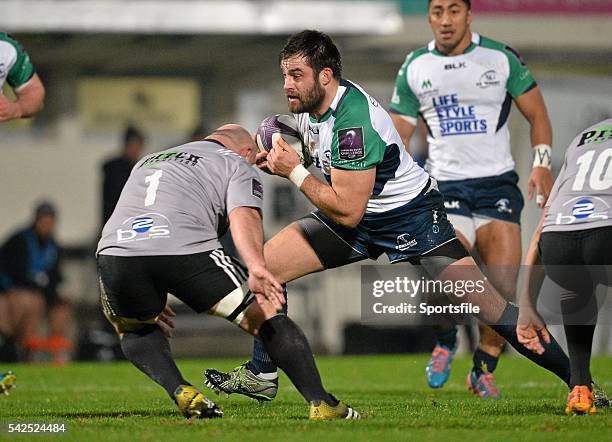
349, 220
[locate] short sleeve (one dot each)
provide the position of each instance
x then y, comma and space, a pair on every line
355, 143
404, 101
22, 70
245, 188
520, 79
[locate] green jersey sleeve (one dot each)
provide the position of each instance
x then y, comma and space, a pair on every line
403, 100
22, 70
520, 79
355, 143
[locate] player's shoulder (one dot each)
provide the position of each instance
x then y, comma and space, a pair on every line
11, 47
413, 56
498, 46
352, 104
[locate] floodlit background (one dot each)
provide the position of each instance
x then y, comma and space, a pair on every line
170, 66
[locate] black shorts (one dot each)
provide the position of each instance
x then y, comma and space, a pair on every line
577, 260
136, 287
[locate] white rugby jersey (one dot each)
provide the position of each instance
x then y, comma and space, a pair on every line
356, 133
465, 101
15, 66
582, 195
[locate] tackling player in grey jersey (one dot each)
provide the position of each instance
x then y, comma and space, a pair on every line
163, 238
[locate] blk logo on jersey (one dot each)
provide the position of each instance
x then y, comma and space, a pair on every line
144, 227
350, 143
456, 119
449, 205
450, 66
583, 209
488, 79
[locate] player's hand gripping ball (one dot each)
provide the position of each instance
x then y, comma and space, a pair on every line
284, 126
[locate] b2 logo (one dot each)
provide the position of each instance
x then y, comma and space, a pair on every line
144, 227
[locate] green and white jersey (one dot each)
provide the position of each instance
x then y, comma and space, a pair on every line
15, 66
356, 133
581, 197
465, 101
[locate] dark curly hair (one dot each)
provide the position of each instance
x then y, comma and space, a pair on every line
317, 48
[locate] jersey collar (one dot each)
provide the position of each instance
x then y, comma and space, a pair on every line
475, 42
343, 88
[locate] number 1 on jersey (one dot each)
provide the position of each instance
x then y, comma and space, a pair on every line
153, 184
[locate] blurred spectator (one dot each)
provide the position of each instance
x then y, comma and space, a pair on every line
117, 170
30, 263
17, 70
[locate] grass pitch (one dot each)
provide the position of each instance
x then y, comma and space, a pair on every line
115, 401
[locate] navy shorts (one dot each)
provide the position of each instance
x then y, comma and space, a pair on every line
405, 232
495, 197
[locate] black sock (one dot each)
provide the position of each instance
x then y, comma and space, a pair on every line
484, 362
447, 337
289, 349
554, 358
260, 360
149, 351
579, 343
580, 310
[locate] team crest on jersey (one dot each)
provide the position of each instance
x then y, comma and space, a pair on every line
144, 227
257, 188
350, 143
488, 79
2, 71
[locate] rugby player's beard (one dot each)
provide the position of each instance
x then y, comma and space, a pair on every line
311, 102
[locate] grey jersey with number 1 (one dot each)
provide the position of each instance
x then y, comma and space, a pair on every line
582, 195
177, 202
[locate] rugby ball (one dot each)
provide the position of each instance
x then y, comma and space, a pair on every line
284, 126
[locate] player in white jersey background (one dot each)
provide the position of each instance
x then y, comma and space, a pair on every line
16, 70
461, 86
574, 241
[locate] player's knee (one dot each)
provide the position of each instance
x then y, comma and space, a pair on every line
256, 315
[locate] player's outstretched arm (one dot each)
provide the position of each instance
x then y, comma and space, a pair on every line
531, 104
344, 201
30, 99
247, 233
530, 325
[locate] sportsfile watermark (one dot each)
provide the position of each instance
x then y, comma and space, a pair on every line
405, 294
